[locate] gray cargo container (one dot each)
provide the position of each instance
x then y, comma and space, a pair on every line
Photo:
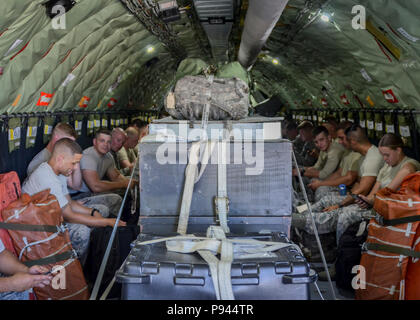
259, 187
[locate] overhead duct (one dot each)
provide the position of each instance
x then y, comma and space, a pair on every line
216, 17
261, 17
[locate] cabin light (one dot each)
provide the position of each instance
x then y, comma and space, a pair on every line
325, 17
150, 49
275, 61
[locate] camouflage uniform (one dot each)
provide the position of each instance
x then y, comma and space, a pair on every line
299, 198
350, 215
80, 233
336, 220
322, 191
303, 156
325, 221
298, 145
14, 295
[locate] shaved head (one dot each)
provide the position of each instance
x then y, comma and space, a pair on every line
65, 156
132, 133
357, 134
66, 146
64, 130
118, 138
118, 131
132, 137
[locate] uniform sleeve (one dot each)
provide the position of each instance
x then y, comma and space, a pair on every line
122, 155
63, 181
43, 179
309, 160
373, 166
88, 163
355, 163
333, 160
110, 163
57, 190
133, 156
319, 162
41, 157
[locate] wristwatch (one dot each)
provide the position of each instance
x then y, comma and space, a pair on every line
93, 211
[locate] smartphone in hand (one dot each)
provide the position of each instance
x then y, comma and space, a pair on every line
358, 198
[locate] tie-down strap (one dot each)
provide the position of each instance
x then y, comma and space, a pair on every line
55, 230
395, 222
31, 227
193, 175
222, 200
69, 255
390, 249
229, 249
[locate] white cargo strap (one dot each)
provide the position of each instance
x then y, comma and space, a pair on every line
206, 110
205, 120
220, 269
229, 249
191, 177
205, 157
222, 200
190, 173
205, 115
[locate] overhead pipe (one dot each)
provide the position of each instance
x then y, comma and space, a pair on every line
261, 17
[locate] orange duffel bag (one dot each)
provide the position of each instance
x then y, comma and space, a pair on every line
412, 278
40, 237
392, 250
9, 192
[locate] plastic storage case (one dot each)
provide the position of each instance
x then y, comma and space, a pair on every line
260, 207
152, 273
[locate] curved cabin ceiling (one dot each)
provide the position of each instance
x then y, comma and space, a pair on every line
129, 51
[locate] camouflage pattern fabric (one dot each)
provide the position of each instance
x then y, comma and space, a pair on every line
302, 153
14, 295
229, 98
336, 220
324, 190
298, 144
108, 203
